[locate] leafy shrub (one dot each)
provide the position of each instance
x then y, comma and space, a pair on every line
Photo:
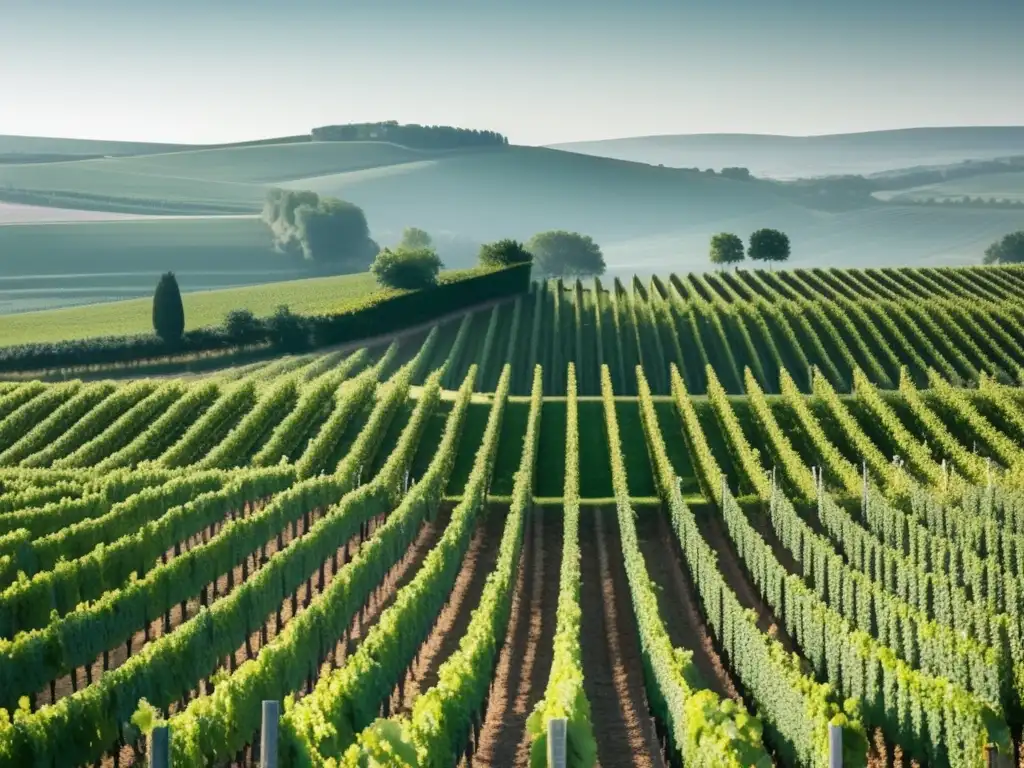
409, 268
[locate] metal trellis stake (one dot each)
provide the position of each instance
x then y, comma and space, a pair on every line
556, 742
159, 747
835, 746
268, 733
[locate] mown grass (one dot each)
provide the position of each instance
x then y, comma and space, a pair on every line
319, 295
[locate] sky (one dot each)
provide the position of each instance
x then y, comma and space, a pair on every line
539, 71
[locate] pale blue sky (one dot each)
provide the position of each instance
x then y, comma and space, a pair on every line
541, 71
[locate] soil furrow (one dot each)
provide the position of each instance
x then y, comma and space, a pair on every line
612, 665
677, 601
528, 649
454, 618
715, 533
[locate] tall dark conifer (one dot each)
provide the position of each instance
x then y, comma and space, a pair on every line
168, 312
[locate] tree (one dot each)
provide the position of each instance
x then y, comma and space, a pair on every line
768, 245
243, 326
279, 214
1008, 250
726, 248
319, 229
565, 254
288, 331
414, 237
168, 312
736, 174
504, 253
409, 268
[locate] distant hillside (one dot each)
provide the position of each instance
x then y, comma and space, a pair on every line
789, 157
517, 191
43, 145
230, 179
994, 186
647, 219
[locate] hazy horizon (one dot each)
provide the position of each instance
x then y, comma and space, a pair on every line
245, 138
542, 73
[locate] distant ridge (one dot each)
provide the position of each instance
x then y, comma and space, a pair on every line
786, 157
1000, 131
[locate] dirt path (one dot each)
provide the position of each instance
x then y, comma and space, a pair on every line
454, 618
678, 602
525, 661
612, 665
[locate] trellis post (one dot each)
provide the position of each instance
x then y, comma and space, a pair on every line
556, 742
996, 759
864, 491
159, 747
835, 746
268, 733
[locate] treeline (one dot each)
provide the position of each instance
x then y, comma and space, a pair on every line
410, 135
967, 201
283, 331
734, 173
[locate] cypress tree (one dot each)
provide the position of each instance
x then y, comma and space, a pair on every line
168, 312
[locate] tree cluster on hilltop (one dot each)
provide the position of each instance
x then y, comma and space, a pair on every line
322, 230
410, 135
765, 245
565, 254
1007, 250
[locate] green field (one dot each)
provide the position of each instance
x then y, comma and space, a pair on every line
317, 295
314, 295
752, 564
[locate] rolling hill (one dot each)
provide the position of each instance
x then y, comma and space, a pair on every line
204, 181
45, 145
993, 186
64, 264
194, 209
790, 157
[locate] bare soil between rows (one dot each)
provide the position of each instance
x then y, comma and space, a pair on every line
454, 618
678, 602
612, 663
525, 660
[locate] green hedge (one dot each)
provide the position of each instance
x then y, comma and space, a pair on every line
382, 313
377, 314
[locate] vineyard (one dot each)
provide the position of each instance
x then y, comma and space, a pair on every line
700, 518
